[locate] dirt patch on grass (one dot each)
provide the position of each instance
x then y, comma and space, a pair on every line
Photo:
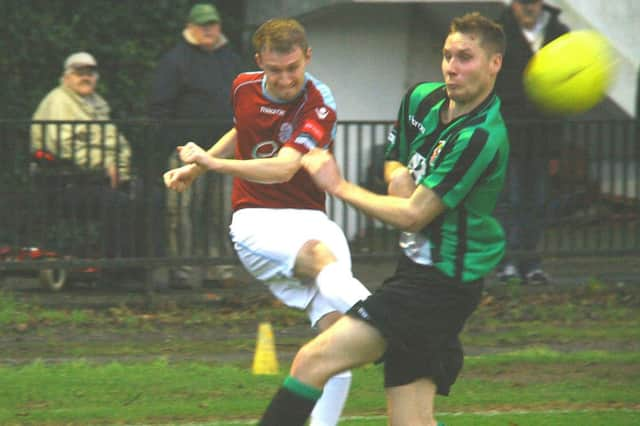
220, 322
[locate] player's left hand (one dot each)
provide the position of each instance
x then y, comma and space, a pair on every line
401, 183
191, 153
323, 169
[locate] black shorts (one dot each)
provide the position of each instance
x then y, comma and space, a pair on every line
421, 312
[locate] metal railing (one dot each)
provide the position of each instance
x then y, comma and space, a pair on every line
70, 212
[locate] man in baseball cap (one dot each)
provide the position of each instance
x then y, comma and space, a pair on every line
203, 13
203, 27
192, 81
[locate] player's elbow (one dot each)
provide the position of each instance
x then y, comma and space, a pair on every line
416, 218
411, 224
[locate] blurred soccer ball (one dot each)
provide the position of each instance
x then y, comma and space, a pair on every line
571, 74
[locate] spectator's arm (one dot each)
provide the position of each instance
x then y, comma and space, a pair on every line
117, 154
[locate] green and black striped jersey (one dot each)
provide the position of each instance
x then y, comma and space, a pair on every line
465, 163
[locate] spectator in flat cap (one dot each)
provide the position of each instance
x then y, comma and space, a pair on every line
72, 126
95, 147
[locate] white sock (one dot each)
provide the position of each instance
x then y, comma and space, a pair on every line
340, 287
327, 410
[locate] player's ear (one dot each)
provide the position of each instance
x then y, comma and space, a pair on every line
496, 63
307, 54
258, 59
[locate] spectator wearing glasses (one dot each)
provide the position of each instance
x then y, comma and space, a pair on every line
71, 124
97, 146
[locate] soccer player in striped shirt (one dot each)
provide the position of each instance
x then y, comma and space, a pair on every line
447, 158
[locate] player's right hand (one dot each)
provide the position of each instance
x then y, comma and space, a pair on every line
191, 153
323, 169
180, 178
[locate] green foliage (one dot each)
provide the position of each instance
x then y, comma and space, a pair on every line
127, 38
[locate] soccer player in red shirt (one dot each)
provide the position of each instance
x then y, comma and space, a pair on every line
279, 228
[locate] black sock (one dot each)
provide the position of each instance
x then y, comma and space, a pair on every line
292, 405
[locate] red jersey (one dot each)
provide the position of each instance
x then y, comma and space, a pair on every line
265, 125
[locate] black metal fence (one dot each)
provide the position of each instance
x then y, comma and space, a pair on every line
58, 204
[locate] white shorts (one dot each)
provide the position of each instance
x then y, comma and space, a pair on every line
267, 242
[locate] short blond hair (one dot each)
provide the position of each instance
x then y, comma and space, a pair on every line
281, 35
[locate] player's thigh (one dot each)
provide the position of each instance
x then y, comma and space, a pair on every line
349, 343
265, 246
267, 241
332, 236
411, 404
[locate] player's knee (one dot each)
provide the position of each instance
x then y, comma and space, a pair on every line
311, 366
312, 258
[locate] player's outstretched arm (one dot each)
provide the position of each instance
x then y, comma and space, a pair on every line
226, 145
409, 214
181, 178
278, 169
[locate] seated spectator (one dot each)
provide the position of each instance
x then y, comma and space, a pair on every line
87, 146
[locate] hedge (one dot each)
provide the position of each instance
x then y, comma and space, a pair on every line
126, 37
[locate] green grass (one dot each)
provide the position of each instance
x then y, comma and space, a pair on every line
133, 365
553, 388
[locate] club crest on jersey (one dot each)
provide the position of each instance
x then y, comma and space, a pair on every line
322, 112
286, 130
436, 152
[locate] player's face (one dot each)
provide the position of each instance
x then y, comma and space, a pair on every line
284, 71
527, 12
468, 70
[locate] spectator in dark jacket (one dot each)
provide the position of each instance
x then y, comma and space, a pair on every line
190, 100
638, 108
528, 25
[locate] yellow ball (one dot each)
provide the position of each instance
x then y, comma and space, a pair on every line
571, 74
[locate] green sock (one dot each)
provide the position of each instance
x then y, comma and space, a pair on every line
301, 389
